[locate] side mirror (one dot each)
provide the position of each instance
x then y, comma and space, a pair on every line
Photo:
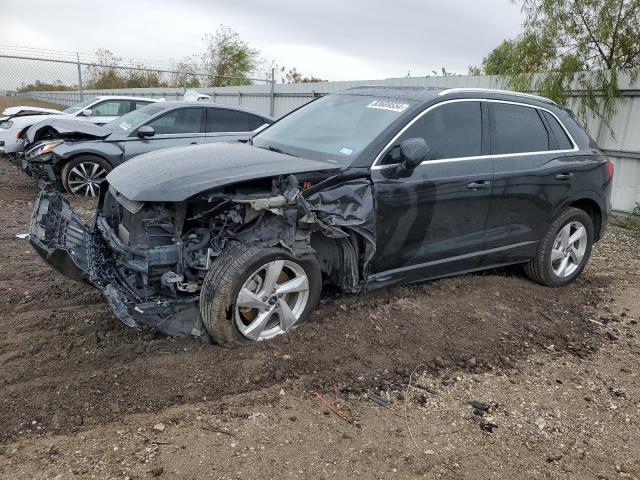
413, 152
87, 113
146, 131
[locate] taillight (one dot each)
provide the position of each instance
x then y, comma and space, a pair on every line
610, 168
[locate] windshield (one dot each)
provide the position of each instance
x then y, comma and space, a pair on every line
129, 121
80, 106
335, 128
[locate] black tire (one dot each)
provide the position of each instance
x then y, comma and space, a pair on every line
225, 279
539, 269
66, 175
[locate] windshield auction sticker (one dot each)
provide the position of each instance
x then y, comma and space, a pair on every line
386, 105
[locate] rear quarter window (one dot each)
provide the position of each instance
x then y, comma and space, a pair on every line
560, 135
517, 129
221, 120
256, 122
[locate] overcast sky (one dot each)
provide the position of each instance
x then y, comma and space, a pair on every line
331, 39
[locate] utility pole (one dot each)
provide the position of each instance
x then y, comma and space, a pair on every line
272, 96
80, 77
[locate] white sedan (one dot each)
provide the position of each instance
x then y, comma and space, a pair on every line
98, 110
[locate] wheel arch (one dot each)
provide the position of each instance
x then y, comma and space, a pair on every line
590, 202
340, 259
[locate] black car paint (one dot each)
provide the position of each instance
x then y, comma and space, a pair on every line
443, 218
175, 174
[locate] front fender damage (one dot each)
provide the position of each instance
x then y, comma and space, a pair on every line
157, 285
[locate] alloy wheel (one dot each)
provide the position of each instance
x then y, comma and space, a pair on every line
569, 248
84, 179
271, 300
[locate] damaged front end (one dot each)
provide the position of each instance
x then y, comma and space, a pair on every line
149, 259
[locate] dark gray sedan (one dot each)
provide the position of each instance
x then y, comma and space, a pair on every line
76, 156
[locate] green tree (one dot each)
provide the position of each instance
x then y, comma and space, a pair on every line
293, 76
39, 86
229, 60
577, 44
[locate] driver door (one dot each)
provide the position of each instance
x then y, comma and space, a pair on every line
431, 220
180, 126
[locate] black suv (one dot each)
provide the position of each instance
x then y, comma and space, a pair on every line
361, 189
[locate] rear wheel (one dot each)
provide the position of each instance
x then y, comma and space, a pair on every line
82, 176
254, 293
564, 250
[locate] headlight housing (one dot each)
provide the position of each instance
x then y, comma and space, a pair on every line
6, 125
43, 149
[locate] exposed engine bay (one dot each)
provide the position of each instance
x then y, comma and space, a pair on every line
150, 258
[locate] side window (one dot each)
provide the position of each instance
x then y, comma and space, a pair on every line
221, 120
558, 132
451, 130
181, 120
256, 122
516, 129
138, 104
110, 108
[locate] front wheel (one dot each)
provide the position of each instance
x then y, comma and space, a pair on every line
564, 249
253, 293
82, 176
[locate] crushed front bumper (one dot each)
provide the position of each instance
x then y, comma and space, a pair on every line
81, 253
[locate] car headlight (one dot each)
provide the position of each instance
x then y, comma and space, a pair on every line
6, 124
43, 149
48, 148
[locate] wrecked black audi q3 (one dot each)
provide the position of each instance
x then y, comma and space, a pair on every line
361, 189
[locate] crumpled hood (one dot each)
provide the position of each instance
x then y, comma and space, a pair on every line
175, 174
24, 110
67, 128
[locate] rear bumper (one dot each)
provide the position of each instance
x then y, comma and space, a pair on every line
82, 254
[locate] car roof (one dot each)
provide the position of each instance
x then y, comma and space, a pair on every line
426, 94
124, 97
182, 103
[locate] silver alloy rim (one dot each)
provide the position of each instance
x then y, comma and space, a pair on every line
84, 179
569, 248
272, 300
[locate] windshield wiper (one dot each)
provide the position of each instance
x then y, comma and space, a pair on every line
277, 150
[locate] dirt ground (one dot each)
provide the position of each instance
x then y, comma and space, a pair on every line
6, 102
374, 386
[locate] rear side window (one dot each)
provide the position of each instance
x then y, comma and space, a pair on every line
139, 104
563, 141
256, 122
516, 129
221, 120
451, 130
182, 120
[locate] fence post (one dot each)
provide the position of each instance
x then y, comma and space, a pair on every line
80, 77
272, 93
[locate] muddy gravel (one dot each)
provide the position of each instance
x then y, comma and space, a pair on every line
73, 378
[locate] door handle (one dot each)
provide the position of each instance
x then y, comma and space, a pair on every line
564, 176
194, 143
480, 184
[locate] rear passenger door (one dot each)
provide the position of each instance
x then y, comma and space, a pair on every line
531, 152
431, 221
180, 126
225, 125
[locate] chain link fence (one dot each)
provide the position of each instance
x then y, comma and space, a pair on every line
39, 71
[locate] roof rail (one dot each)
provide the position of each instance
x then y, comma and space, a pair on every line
494, 90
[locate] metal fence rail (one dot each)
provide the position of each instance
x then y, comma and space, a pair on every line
63, 77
